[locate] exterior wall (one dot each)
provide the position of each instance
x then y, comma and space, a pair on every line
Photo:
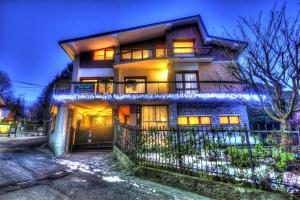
86, 61
96, 72
147, 44
221, 53
214, 110
173, 118
214, 71
184, 32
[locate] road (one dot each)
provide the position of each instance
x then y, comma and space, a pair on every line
30, 171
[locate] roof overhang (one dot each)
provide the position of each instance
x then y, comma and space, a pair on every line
76, 46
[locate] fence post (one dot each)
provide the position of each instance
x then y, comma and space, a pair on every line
251, 158
179, 150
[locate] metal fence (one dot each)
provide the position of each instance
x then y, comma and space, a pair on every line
267, 160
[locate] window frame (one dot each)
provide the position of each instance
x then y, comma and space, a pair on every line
184, 89
156, 121
228, 118
97, 81
199, 120
104, 56
184, 40
135, 77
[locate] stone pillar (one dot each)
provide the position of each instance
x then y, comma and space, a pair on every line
244, 116
173, 116
132, 116
115, 113
171, 78
57, 140
116, 89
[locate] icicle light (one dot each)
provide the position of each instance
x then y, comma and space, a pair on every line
170, 97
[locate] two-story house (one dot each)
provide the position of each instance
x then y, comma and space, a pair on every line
163, 74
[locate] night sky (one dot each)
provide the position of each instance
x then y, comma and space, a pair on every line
30, 30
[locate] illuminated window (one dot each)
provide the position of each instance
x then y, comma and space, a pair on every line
135, 85
105, 86
182, 120
136, 54
104, 54
183, 46
160, 53
230, 119
205, 120
155, 116
194, 120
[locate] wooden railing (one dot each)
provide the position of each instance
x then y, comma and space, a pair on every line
158, 53
149, 87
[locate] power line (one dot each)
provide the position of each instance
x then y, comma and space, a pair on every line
27, 83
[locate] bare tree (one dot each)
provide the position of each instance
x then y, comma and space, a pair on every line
270, 64
5, 85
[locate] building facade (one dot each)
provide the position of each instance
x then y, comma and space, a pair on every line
170, 73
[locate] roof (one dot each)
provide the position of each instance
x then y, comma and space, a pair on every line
114, 38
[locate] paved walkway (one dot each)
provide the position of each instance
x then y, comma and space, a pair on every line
28, 172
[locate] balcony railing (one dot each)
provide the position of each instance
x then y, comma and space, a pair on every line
149, 87
159, 53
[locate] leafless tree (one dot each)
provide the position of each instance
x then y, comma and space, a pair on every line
5, 85
270, 64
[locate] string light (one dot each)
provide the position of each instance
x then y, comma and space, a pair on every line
170, 97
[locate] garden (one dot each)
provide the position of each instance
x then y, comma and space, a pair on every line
266, 160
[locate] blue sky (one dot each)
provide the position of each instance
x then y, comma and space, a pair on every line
30, 30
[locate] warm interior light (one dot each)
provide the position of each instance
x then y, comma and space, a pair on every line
164, 75
205, 120
183, 46
182, 120
234, 119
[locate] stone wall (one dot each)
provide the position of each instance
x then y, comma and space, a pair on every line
212, 109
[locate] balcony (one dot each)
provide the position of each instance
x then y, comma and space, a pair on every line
150, 87
130, 55
140, 92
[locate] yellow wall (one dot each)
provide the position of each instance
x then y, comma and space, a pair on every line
151, 74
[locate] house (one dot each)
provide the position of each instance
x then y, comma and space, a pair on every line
3, 110
163, 74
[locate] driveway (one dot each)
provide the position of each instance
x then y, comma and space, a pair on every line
30, 171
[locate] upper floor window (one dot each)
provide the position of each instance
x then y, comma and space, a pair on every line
230, 119
135, 85
184, 46
186, 82
104, 54
136, 54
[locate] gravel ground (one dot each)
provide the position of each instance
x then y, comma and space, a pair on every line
30, 171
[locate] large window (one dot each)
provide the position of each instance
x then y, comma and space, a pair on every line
185, 46
194, 120
136, 54
187, 82
230, 119
154, 116
101, 85
135, 85
104, 54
